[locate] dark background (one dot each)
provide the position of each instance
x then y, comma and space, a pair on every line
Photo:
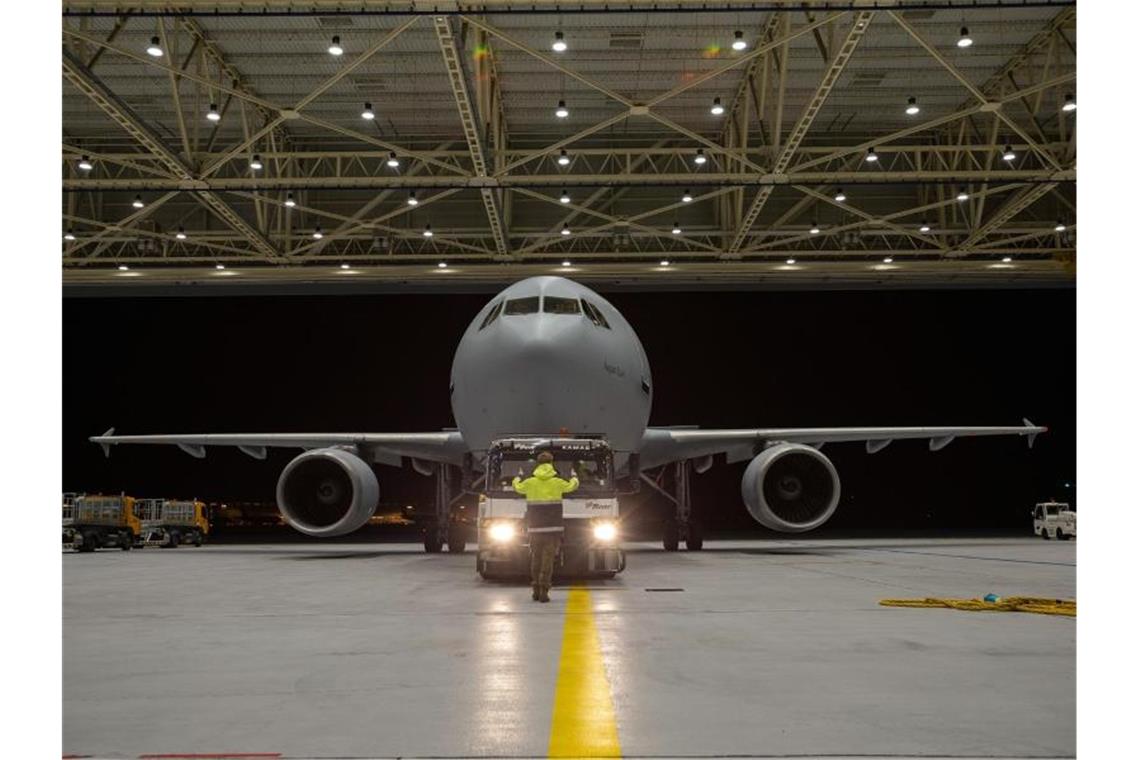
276, 363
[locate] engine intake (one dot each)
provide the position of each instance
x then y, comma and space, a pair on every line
327, 492
790, 488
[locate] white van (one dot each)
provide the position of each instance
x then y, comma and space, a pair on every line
1052, 519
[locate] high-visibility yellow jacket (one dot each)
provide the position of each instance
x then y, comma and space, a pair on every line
544, 485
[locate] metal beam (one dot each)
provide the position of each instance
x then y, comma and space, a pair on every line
1012, 208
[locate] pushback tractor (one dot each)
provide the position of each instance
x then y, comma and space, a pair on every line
591, 538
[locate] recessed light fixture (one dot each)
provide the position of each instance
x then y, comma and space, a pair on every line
872, 156
442, 265
562, 111
738, 43
888, 260
814, 228
412, 199
289, 202
717, 109
213, 114
962, 195
676, 229
565, 197
791, 261
565, 229
687, 197
664, 262
700, 158
840, 196
85, 163
559, 44
1007, 260
181, 234
1060, 226
123, 267
1007, 153
964, 38
924, 227
317, 234
368, 114
563, 159
565, 263
255, 162
154, 48
69, 235
335, 48
912, 106
219, 266
137, 202
428, 233
393, 161
1070, 103
344, 266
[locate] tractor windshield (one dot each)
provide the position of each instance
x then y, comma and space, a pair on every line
592, 464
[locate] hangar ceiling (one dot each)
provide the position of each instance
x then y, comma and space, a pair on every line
978, 185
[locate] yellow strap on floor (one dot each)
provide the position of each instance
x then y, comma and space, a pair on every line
1042, 606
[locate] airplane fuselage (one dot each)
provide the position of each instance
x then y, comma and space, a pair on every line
538, 359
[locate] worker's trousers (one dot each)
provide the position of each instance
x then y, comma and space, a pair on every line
543, 547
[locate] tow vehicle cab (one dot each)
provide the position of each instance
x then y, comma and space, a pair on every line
591, 541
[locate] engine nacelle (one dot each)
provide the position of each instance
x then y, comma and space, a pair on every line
790, 488
327, 492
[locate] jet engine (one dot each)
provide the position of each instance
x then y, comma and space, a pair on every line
791, 488
327, 492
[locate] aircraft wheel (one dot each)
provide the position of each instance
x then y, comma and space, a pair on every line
672, 536
696, 538
456, 545
432, 543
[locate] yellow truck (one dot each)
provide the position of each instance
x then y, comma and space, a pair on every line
170, 522
101, 522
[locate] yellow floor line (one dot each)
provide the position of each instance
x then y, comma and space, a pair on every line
583, 724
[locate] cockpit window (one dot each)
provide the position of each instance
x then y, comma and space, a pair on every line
553, 305
492, 315
521, 306
595, 314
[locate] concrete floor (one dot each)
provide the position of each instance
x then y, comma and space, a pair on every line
771, 648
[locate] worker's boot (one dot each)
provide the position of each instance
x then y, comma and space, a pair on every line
543, 594
536, 592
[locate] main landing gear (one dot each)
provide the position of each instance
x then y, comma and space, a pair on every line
682, 525
439, 530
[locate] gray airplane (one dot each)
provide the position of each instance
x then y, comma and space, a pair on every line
549, 356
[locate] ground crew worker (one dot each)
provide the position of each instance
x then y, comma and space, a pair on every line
543, 491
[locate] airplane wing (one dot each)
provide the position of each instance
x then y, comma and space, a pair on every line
387, 448
663, 445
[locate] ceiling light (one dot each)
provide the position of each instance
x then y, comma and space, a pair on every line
255, 162
1006, 260
559, 44
368, 113
962, 195
687, 197
1007, 153
738, 43
1060, 226
317, 234
412, 198
393, 162
912, 106
85, 164
213, 114
563, 159
181, 234
442, 265
69, 235
429, 233
344, 266
814, 228
289, 202
791, 261
717, 109
137, 202
565, 197
888, 260
565, 229
964, 39
153, 48
664, 262
562, 111
840, 196
700, 158
872, 156
676, 229
565, 263
1070, 103
219, 266
123, 267
924, 228
335, 48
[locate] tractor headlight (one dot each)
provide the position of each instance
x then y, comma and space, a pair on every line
502, 532
605, 531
